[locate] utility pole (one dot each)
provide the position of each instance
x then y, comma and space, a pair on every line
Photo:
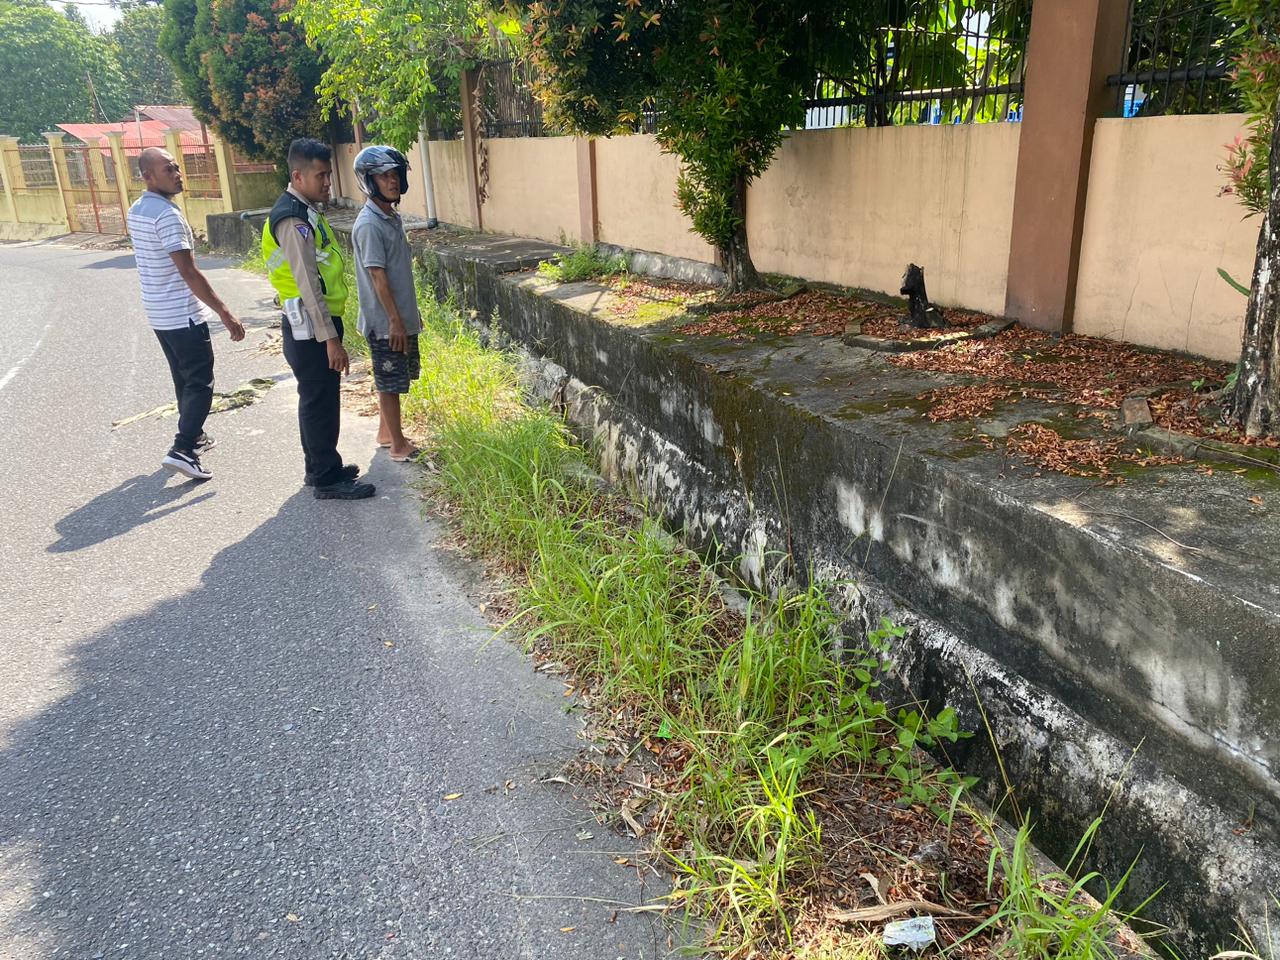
424, 150
93, 98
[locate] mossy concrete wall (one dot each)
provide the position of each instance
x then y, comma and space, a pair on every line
1081, 649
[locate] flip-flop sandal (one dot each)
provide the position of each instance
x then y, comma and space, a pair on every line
384, 446
406, 458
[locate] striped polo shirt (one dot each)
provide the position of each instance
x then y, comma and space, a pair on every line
157, 228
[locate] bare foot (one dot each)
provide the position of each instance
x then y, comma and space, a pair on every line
406, 452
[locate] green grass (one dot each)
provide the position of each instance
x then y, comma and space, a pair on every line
357, 346
585, 262
756, 699
253, 263
1246, 949
1046, 915
642, 620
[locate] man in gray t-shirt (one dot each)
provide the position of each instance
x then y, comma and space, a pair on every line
389, 317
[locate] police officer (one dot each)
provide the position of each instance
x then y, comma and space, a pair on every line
305, 265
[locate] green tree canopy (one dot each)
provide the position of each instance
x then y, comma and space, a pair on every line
245, 70
46, 63
149, 75
400, 59
721, 79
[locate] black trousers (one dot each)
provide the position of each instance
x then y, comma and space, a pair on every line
319, 405
190, 356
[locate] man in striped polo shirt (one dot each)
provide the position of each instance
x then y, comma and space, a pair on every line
178, 301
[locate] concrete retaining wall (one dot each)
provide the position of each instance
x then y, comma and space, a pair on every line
1081, 650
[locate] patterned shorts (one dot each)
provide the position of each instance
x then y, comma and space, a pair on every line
393, 371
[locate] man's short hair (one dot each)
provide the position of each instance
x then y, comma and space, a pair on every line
305, 151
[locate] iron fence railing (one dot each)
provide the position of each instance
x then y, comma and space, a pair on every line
1177, 60
201, 167
243, 164
508, 106
919, 61
37, 166
926, 61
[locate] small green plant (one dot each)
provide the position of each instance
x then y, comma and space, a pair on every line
1233, 283
1248, 949
253, 263
586, 262
1256, 77
1048, 915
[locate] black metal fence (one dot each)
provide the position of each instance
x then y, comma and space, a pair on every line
958, 61
904, 61
1178, 59
926, 61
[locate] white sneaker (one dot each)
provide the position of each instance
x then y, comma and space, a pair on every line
187, 464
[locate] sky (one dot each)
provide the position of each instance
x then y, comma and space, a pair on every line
100, 14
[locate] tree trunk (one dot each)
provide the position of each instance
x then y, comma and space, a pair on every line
738, 267
1257, 399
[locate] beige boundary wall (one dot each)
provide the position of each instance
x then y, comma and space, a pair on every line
1156, 230
42, 209
854, 206
636, 199
449, 177
533, 188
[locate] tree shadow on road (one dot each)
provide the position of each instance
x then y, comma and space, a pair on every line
137, 501
259, 767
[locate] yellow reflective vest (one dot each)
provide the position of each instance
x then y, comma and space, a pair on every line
333, 281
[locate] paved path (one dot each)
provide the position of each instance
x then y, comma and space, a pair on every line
229, 714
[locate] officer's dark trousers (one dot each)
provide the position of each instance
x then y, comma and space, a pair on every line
319, 405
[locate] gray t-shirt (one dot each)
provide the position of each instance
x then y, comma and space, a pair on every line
379, 241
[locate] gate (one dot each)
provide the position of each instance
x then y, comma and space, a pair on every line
93, 198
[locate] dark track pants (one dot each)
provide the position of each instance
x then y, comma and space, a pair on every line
190, 356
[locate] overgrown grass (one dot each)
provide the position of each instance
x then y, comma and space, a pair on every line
1248, 949
585, 262
754, 702
1048, 916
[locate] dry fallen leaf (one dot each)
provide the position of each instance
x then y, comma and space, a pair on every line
1256, 501
453, 796
373, 606
622, 861
293, 918
387, 643
568, 929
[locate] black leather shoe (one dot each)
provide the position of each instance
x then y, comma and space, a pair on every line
349, 472
345, 490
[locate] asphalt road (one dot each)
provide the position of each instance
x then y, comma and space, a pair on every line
229, 713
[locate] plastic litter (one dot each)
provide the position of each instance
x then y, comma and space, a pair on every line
916, 933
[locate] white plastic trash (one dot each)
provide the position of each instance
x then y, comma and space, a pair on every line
916, 933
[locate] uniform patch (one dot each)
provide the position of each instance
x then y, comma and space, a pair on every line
304, 230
